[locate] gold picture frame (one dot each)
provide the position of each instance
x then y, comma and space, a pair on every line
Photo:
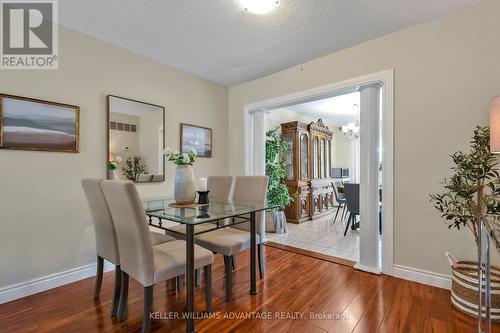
38, 125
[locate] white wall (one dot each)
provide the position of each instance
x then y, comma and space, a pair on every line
45, 222
446, 71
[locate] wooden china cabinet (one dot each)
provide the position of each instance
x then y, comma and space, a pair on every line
307, 170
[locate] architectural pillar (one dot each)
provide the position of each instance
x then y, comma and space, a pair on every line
370, 116
259, 142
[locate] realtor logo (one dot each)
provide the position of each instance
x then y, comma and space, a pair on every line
29, 34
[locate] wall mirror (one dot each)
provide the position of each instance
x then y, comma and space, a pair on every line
136, 140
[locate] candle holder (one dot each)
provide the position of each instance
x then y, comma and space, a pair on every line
203, 197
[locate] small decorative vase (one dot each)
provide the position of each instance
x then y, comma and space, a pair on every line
112, 174
184, 188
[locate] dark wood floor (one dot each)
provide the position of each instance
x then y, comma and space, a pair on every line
294, 283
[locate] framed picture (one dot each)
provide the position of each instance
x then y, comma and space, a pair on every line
197, 138
32, 124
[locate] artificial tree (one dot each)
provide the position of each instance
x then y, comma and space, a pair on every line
133, 168
277, 191
472, 191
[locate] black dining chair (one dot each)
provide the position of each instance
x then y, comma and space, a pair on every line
352, 201
340, 198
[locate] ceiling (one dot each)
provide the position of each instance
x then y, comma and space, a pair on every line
222, 42
133, 108
335, 111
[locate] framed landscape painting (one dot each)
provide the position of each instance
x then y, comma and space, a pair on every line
197, 138
32, 124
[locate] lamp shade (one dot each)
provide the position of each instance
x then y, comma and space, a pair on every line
495, 125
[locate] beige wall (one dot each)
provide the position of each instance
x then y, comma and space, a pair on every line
445, 73
45, 221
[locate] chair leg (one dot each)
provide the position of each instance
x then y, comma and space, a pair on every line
229, 278
98, 277
197, 278
148, 306
233, 262
122, 308
337, 213
208, 287
178, 282
344, 212
116, 296
348, 222
380, 223
260, 251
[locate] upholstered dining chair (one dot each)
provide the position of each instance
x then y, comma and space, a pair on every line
232, 240
148, 264
340, 198
352, 202
105, 236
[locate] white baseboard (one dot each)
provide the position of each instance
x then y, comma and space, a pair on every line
47, 282
422, 276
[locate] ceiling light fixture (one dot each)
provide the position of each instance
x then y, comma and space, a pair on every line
259, 6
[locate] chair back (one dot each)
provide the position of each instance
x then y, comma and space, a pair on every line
132, 231
338, 196
220, 187
352, 197
105, 234
251, 189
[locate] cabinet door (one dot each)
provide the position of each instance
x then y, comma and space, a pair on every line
288, 138
322, 158
304, 157
328, 158
315, 157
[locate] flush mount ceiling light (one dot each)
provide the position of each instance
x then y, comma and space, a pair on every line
259, 6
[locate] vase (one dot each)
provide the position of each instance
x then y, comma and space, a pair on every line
112, 174
184, 187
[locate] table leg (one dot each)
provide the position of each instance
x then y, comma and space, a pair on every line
190, 277
253, 253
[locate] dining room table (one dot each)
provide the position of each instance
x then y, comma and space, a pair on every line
220, 215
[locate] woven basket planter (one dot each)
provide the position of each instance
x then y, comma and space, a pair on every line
464, 287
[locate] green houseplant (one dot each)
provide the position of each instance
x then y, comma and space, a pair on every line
133, 168
472, 191
277, 191
471, 198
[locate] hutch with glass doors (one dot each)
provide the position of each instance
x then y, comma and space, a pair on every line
307, 171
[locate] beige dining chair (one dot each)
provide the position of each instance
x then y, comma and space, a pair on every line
105, 236
148, 264
232, 240
220, 190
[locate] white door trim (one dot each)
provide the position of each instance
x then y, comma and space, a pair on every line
338, 88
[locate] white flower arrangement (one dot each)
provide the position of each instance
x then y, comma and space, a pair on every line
180, 159
113, 165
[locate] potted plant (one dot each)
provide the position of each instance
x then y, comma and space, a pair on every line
133, 168
184, 186
471, 197
277, 191
113, 166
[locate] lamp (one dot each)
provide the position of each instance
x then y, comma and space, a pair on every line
495, 125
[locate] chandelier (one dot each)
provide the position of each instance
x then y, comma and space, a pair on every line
350, 131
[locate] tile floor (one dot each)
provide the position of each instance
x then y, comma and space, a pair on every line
321, 236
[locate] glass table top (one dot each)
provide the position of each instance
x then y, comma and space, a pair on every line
160, 208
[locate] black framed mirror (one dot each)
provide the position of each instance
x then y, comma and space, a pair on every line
136, 140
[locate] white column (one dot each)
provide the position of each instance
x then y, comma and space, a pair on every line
369, 250
259, 142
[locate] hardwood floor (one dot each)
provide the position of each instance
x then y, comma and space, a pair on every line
295, 284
